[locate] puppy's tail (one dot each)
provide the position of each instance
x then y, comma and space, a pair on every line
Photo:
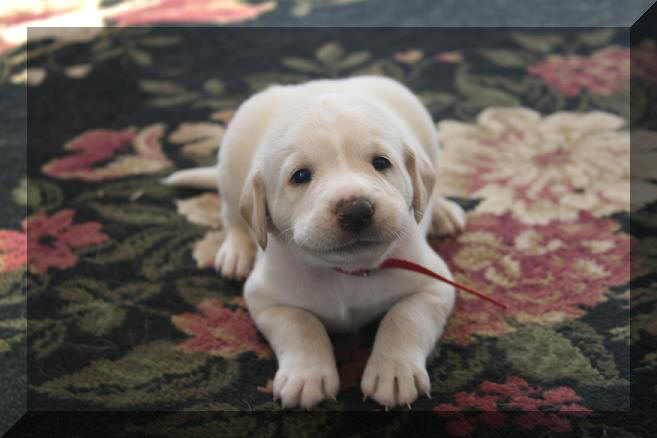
199, 178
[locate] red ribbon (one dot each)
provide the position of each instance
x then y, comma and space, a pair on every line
410, 266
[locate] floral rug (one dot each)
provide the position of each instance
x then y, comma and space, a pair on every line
125, 313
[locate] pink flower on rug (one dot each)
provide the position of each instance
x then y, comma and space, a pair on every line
538, 168
644, 60
51, 239
221, 331
449, 57
195, 11
544, 274
410, 56
94, 148
482, 406
13, 250
604, 72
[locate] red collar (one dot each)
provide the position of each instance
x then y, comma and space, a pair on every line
410, 266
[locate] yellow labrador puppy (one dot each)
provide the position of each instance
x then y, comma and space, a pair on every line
329, 178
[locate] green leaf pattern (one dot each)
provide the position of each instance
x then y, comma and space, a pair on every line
119, 299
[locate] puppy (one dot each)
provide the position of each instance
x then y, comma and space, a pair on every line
324, 179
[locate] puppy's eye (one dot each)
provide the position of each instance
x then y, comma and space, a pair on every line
380, 163
301, 176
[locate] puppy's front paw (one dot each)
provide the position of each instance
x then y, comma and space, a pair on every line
393, 381
305, 385
236, 255
448, 217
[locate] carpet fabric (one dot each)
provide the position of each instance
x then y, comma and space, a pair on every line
125, 313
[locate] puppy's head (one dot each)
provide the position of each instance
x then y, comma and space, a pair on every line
337, 182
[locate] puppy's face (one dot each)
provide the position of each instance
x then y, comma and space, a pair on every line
339, 184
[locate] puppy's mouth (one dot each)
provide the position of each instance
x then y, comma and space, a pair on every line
353, 247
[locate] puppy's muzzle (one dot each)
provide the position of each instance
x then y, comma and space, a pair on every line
354, 214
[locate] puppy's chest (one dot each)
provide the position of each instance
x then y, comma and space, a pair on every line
346, 306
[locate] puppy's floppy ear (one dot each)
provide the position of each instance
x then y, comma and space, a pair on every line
253, 207
423, 177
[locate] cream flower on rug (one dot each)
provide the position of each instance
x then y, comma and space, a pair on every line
65, 21
200, 138
204, 210
538, 168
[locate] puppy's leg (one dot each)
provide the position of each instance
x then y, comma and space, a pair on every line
237, 252
396, 372
306, 366
447, 216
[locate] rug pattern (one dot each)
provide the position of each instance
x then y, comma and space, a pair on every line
125, 313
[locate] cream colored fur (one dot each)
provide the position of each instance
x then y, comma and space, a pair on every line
285, 240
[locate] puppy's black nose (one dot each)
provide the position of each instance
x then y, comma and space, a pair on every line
354, 215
